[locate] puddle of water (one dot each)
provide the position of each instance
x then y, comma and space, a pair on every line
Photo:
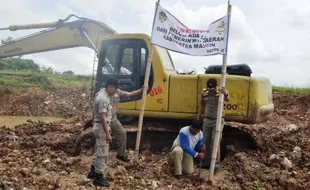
12, 121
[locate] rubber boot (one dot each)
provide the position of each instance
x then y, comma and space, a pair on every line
91, 174
99, 180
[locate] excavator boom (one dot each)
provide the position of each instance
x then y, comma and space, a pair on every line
60, 34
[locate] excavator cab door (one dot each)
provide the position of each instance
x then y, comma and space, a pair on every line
122, 59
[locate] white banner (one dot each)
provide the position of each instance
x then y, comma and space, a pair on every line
170, 33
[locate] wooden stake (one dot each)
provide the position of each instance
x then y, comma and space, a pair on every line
218, 129
146, 81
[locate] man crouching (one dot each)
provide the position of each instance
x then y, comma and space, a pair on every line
185, 147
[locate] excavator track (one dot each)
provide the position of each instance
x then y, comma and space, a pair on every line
158, 136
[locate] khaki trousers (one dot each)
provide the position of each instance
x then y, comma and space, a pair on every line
183, 162
209, 126
101, 149
119, 133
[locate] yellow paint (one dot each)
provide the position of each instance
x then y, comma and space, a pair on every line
159, 114
183, 93
260, 100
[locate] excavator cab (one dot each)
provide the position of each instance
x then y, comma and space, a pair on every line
124, 59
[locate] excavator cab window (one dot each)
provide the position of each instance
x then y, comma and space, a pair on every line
124, 59
119, 60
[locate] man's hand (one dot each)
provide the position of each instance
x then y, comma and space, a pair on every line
224, 91
200, 117
109, 138
200, 156
144, 86
203, 147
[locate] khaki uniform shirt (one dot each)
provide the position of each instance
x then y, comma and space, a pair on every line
102, 104
211, 103
115, 99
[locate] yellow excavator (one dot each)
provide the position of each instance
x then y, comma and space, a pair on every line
172, 99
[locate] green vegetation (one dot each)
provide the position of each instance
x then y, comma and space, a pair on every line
17, 64
292, 90
17, 72
257, 185
26, 78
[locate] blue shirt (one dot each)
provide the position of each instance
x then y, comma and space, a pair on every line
188, 141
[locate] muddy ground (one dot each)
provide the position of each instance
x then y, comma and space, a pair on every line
37, 155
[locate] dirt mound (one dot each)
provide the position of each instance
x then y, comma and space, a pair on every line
282, 158
37, 155
292, 107
61, 102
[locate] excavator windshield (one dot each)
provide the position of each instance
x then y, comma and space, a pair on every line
124, 59
113, 65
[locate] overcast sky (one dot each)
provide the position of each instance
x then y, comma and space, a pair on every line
272, 37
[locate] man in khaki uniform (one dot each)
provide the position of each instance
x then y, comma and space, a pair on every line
187, 145
208, 111
118, 130
102, 119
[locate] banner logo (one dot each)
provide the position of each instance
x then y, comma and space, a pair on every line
162, 16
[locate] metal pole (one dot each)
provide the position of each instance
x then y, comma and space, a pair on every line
218, 129
91, 42
32, 26
4, 28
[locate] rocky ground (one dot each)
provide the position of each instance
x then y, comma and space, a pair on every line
37, 155
62, 102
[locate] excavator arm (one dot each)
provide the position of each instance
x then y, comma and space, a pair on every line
60, 34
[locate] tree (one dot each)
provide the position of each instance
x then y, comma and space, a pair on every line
47, 70
18, 64
68, 72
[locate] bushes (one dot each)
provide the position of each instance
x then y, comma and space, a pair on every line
18, 64
41, 80
19, 72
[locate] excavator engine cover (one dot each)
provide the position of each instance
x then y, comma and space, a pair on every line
238, 69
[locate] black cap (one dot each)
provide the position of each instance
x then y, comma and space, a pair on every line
112, 81
211, 83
